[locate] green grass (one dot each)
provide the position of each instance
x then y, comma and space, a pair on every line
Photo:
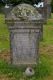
4, 34
48, 33
41, 71
44, 68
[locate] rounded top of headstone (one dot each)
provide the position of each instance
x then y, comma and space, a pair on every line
25, 12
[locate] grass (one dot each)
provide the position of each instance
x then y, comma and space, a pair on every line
4, 34
12, 71
44, 70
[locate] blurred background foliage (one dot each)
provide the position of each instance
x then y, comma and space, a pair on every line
15, 2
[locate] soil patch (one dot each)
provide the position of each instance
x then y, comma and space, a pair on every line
5, 55
46, 49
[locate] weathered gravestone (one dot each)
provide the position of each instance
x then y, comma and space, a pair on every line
45, 9
48, 8
24, 23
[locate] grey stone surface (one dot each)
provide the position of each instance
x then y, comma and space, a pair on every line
24, 46
24, 40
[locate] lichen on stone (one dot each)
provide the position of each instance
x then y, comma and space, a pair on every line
25, 12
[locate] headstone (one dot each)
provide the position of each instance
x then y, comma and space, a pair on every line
24, 25
47, 8
44, 8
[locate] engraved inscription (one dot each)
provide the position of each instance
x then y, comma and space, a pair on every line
24, 48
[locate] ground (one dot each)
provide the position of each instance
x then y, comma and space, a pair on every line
44, 70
